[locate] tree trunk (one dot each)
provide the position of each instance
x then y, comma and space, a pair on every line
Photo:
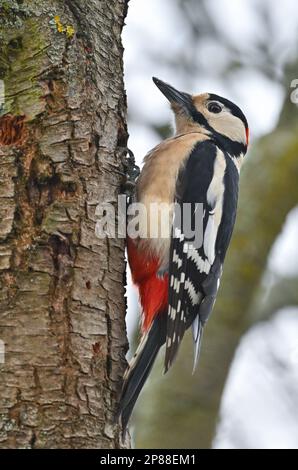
62, 306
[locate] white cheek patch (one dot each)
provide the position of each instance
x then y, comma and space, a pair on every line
230, 126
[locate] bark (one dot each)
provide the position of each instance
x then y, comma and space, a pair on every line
189, 406
62, 306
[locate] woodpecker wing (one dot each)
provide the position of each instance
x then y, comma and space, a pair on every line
206, 197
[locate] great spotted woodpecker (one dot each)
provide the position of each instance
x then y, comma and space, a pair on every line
177, 278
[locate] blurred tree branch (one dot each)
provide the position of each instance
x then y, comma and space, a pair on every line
283, 293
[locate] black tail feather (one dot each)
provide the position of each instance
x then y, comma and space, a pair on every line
140, 367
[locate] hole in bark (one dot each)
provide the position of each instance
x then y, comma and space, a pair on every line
60, 245
16, 43
33, 440
88, 285
44, 186
51, 85
11, 129
96, 348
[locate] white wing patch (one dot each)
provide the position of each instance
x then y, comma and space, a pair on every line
210, 239
177, 286
193, 294
216, 187
176, 259
193, 254
215, 196
173, 313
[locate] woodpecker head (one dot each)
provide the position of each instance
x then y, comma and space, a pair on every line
214, 115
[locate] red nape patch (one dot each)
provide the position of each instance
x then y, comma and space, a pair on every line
153, 291
247, 136
11, 129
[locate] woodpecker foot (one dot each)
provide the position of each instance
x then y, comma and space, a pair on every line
131, 171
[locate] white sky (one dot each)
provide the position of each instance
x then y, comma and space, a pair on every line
284, 256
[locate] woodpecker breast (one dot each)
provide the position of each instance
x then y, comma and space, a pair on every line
156, 188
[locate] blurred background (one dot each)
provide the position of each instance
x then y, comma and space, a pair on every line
245, 391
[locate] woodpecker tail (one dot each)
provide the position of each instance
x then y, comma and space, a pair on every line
140, 367
197, 334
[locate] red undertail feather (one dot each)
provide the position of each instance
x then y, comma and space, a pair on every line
247, 136
153, 291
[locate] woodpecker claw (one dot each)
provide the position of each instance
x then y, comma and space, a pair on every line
131, 171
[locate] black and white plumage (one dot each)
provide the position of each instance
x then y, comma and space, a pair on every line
210, 178
178, 275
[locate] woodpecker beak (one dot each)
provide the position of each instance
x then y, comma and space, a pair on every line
175, 97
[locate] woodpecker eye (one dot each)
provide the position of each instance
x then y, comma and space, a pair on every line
214, 107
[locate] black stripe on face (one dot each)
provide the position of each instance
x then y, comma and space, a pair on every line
235, 110
232, 147
199, 117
